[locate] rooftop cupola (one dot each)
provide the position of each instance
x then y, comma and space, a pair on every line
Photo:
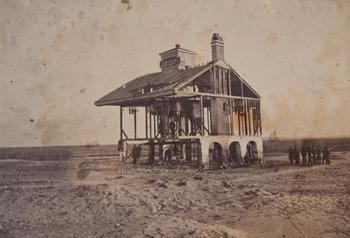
177, 58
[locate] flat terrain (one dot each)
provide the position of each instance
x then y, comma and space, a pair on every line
100, 197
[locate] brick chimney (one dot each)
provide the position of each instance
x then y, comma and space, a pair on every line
217, 47
177, 58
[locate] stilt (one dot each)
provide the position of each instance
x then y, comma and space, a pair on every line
121, 122
146, 122
188, 151
160, 155
135, 124
151, 158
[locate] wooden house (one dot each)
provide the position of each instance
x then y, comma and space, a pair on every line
205, 113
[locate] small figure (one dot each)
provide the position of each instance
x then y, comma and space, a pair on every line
139, 151
303, 154
309, 156
296, 155
176, 151
135, 153
151, 152
246, 159
168, 154
326, 155
122, 149
290, 155
318, 155
172, 128
313, 153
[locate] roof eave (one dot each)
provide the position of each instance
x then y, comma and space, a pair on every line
130, 100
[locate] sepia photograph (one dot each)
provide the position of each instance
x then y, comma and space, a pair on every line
175, 119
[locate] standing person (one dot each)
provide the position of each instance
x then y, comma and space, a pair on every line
323, 159
168, 155
296, 155
246, 159
309, 156
172, 128
303, 154
176, 151
313, 153
161, 127
151, 152
122, 149
318, 155
134, 154
326, 154
290, 155
139, 151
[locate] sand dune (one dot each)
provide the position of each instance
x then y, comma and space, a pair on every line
100, 197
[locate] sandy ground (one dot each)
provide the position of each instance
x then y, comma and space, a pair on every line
99, 197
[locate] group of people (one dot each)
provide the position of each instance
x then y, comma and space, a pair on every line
310, 155
123, 150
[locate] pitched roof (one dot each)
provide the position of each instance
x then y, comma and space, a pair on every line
154, 85
160, 84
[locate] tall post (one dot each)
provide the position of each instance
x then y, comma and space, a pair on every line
161, 150
260, 119
211, 78
230, 104
180, 125
150, 122
244, 122
188, 150
151, 151
121, 123
186, 126
245, 117
239, 121
257, 118
229, 83
146, 122
230, 116
154, 125
135, 124
208, 120
249, 120
158, 122
254, 117
202, 115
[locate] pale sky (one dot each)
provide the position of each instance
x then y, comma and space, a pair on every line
57, 57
